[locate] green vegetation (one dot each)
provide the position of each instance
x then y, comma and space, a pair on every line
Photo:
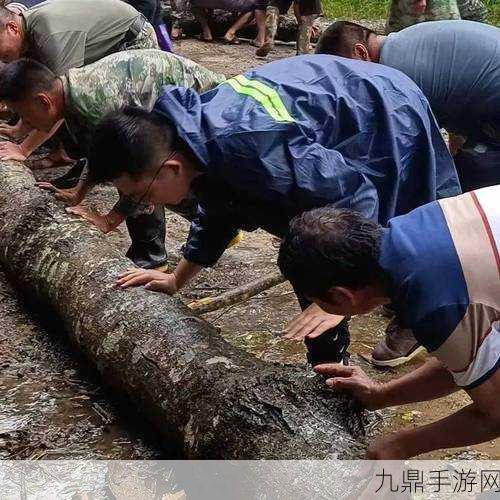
377, 9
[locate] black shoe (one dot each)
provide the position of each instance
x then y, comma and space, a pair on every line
331, 346
71, 178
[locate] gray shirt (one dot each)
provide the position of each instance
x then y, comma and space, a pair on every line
64, 34
457, 66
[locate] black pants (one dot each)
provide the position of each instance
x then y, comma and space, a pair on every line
331, 346
478, 166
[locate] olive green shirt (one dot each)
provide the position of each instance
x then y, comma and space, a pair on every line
64, 34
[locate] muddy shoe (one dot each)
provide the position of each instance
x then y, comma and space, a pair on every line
264, 50
398, 347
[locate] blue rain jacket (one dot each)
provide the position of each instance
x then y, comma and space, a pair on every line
305, 132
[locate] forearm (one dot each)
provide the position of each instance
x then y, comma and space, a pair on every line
431, 381
466, 427
36, 138
185, 272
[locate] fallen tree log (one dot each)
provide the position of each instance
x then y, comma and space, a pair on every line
236, 295
206, 398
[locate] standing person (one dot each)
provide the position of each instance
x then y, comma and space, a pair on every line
348, 264
202, 11
82, 97
66, 34
306, 12
263, 147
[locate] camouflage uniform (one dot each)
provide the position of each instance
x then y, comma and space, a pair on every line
472, 10
146, 39
135, 78
126, 78
402, 13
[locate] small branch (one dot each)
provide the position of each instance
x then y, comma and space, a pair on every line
236, 295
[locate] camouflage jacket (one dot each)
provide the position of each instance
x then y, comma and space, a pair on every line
126, 78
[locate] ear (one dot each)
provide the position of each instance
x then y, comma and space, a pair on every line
342, 297
174, 166
359, 51
12, 27
44, 99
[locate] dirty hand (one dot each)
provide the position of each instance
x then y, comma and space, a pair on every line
12, 131
311, 323
86, 213
354, 380
70, 196
12, 151
155, 281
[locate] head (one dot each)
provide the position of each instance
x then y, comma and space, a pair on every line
139, 152
331, 256
12, 38
30, 89
351, 40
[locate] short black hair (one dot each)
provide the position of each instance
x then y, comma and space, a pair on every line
128, 141
339, 38
328, 247
23, 79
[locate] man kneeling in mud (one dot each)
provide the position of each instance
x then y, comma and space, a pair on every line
439, 266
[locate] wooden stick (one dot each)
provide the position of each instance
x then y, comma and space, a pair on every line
238, 294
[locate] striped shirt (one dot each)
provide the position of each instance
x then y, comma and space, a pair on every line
444, 263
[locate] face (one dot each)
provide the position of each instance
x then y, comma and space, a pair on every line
11, 43
39, 112
349, 302
168, 184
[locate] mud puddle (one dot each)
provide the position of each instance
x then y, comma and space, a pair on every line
50, 404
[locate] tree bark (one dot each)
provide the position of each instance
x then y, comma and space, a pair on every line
206, 398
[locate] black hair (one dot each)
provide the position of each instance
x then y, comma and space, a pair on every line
328, 247
340, 37
23, 79
128, 141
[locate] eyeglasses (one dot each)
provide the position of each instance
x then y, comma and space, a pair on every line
140, 202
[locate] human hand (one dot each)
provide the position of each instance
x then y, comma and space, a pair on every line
12, 131
71, 196
355, 380
95, 218
155, 281
311, 323
12, 151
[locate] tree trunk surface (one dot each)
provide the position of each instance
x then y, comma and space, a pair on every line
206, 398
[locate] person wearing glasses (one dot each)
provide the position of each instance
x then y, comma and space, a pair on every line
264, 146
82, 97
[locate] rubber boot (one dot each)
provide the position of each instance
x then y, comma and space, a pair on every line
147, 233
71, 178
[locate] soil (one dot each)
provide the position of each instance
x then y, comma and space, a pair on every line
48, 399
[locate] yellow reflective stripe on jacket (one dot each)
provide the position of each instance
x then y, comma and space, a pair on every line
264, 95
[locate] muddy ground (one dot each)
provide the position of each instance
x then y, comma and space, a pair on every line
52, 407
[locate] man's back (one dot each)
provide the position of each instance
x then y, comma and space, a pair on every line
314, 130
457, 66
65, 34
444, 263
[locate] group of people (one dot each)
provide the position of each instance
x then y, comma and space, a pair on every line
338, 153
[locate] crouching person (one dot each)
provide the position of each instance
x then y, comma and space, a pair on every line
439, 266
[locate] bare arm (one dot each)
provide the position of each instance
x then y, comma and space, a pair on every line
105, 222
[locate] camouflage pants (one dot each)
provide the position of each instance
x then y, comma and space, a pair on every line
402, 13
472, 10
146, 39
303, 32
